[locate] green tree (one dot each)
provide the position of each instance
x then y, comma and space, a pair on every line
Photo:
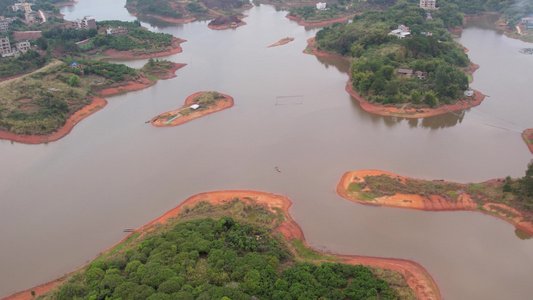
74, 80
431, 100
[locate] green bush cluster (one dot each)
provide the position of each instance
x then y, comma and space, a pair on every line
213, 259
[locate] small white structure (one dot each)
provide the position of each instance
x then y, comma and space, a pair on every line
321, 5
401, 32
469, 93
194, 106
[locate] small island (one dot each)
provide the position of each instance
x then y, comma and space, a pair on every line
225, 22
196, 105
508, 199
236, 244
283, 41
404, 62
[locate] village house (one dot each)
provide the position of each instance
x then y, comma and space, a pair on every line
23, 6
87, 22
405, 72
23, 46
401, 32
527, 20
321, 6
421, 75
5, 46
120, 30
427, 4
4, 24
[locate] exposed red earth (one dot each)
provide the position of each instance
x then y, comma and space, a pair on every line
416, 276
283, 41
160, 120
97, 104
527, 135
433, 203
411, 113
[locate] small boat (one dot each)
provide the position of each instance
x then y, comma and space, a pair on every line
277, 169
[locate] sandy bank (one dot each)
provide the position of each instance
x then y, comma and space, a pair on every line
161, 120
96, 105
417, 277
403, 111
174, 48
527, 135
283, 41
431, 203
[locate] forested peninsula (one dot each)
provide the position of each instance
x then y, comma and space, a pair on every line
234, 245
403, 59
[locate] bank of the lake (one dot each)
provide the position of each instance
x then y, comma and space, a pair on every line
418, 279
178, 117
97, 104
353, 186
321, 23
404, 110
527, 135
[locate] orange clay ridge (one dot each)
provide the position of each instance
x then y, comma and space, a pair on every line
403, 111
96, 105
161, 120
527, 135
432, 202
416, 276
283, 41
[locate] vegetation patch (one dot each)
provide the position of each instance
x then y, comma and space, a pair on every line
205, 254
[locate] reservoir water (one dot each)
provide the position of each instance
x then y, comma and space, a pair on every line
64, 202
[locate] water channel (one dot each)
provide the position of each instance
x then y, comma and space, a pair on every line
64, 202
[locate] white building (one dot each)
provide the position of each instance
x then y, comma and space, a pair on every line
427, 4
4, 24
87, 22
321, 5
401, 32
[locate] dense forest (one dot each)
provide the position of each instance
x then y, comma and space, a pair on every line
221, 258
182, 10
378, 55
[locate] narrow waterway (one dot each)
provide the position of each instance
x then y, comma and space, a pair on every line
64, 202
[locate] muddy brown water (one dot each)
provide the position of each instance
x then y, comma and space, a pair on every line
62, 203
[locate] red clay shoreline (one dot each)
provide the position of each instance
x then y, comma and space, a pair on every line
96, 105
433, 203
416, 276
410, 113
220, 105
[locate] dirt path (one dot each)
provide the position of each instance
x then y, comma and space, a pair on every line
417, 277
161, 120
306, 23
431, 203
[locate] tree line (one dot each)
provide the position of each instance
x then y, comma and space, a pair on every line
219, 259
